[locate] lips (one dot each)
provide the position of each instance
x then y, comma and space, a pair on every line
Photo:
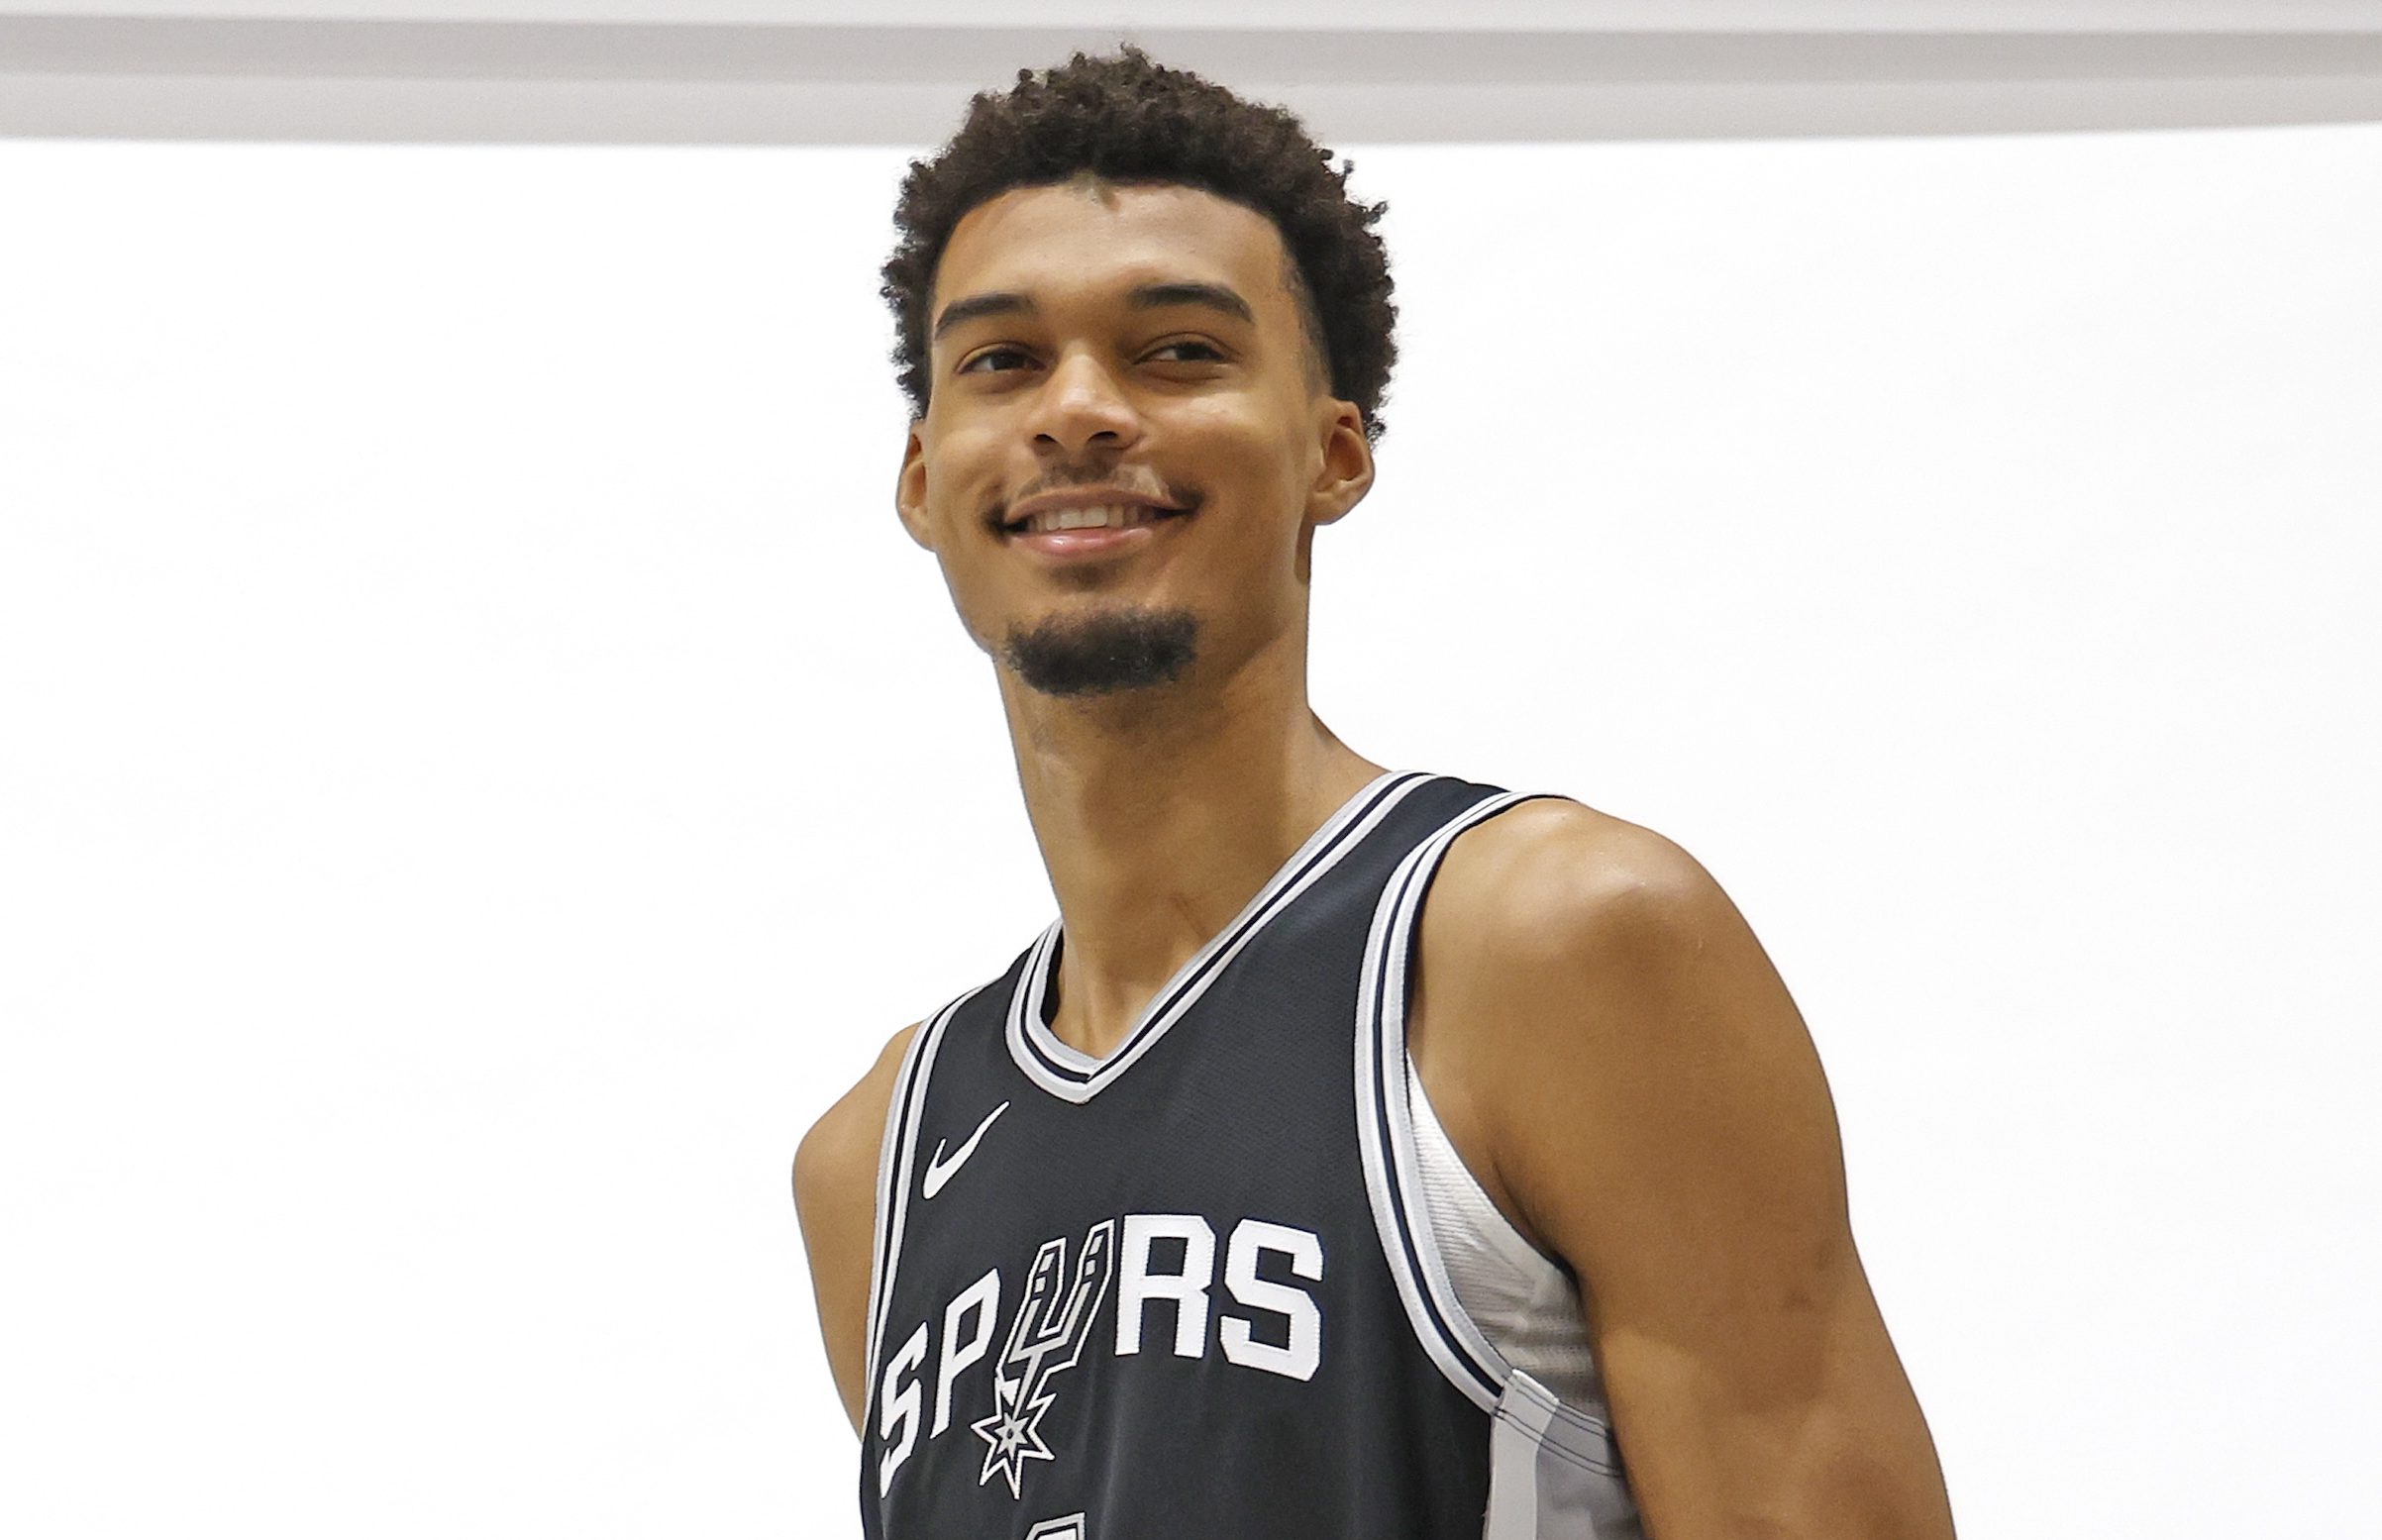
1097, 516
1098, 532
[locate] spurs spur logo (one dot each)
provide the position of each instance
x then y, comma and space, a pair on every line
1048, 1333
1175, 1282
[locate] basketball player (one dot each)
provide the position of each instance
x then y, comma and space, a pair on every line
1361, 1153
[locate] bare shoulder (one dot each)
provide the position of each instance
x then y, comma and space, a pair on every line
835, 1197
1524, 907
1550, 877
848, 1136
1556, 929
1565, 957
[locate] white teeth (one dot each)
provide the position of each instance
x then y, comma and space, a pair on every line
1111, 516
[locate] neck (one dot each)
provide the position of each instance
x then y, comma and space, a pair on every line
1160, 813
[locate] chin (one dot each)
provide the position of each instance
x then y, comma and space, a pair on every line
1102, 647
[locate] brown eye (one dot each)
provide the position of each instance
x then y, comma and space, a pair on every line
981, 365
1201, 352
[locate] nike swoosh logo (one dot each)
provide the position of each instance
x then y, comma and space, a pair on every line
939, 1171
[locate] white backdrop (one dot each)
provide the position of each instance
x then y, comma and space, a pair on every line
480, 770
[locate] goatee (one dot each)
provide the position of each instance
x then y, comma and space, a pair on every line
1104, 651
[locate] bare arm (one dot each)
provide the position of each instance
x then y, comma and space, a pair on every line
1659, 1117
835, 1196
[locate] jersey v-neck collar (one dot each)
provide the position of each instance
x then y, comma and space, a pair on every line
1072, 1074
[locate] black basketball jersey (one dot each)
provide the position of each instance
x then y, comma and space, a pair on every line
1187, 1290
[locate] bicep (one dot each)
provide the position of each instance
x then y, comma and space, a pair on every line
1679, 1147
1790, 1420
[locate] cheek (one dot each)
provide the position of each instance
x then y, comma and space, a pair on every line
962, 477
1227, 421
1236, 446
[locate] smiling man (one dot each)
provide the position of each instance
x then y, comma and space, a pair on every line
1361, 1153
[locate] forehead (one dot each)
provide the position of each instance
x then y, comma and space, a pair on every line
1085, 232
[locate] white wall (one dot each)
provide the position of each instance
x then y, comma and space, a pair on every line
480, 769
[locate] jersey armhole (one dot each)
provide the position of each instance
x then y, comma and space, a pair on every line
895, 1159
1386, 1126
1433, 1147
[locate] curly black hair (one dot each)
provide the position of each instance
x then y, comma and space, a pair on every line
1125, 119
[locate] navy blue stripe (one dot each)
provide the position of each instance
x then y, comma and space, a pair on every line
1215, 957
1028, 1003
897, 1204
1381, 1105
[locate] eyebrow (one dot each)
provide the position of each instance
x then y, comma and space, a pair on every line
1150, 297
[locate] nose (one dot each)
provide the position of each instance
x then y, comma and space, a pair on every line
1079, 407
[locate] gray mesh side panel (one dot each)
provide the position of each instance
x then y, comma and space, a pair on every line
1553, 1473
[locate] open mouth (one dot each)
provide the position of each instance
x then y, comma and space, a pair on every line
1103, 516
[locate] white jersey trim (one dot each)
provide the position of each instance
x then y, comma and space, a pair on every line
1073, 1075
1386, 1127
895, 1160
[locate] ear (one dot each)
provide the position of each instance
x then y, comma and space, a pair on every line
910, 489
1345, 472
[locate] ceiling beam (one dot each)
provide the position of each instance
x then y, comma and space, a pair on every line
434, 79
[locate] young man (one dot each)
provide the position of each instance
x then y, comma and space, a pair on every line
1362, 1154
